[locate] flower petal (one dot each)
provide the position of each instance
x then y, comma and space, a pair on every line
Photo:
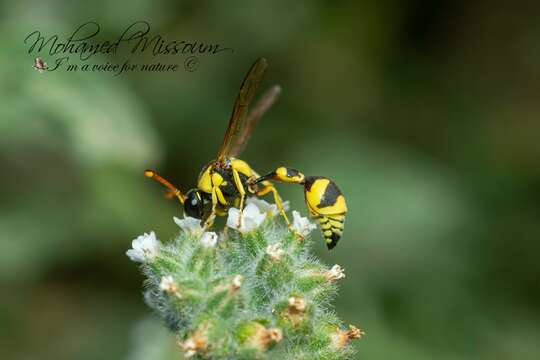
189, 225
302, 224
265, 207
144, 248
209, 239
252, 218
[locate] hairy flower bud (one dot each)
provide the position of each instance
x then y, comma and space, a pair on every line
342, 337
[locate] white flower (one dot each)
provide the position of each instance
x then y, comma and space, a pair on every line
189, 347
302, 224
251, 218
196, 343
189, 225
167, 284
144, 248
209, 239
267, 208
335, 273
237, 282
275, 251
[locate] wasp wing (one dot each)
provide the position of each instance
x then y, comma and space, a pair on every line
239, 112
265, 102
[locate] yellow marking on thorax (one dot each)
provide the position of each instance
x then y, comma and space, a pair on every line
205, 182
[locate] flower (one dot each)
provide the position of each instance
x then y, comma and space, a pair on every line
209, 239
335, 273
167, 284
189, 225
295, 312
275, 251
144, 248
275, 335
251, 218
237, 282
265, 207
302, 224
262, 338
297, 304
342, 337
197, 343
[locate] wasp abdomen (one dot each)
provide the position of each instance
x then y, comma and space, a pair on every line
327, 204
332, 228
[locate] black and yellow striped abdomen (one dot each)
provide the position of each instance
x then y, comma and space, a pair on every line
327, 204
332, 228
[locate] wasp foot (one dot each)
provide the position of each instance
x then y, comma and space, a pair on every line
209, 222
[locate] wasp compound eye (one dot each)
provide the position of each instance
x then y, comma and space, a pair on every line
193, 205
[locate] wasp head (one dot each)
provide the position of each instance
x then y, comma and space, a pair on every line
194, 204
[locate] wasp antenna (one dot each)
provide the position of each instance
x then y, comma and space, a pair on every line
149, 173
153, 175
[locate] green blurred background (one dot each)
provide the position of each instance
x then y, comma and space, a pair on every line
425, 113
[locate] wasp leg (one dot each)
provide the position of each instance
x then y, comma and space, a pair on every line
268, 187
171, 189
216, 196
242, 192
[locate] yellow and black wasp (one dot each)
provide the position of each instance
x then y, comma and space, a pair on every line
226, 181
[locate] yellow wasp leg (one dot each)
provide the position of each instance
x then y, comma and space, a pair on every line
277, 199
242, 192
217, 196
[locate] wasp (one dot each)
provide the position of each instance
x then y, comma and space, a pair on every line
227, 180
224, 181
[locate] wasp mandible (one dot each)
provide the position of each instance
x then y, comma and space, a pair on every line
226, 181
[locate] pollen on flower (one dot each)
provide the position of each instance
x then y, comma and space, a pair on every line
252, 218
275, 251
144, 248
335, 273
302, 224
